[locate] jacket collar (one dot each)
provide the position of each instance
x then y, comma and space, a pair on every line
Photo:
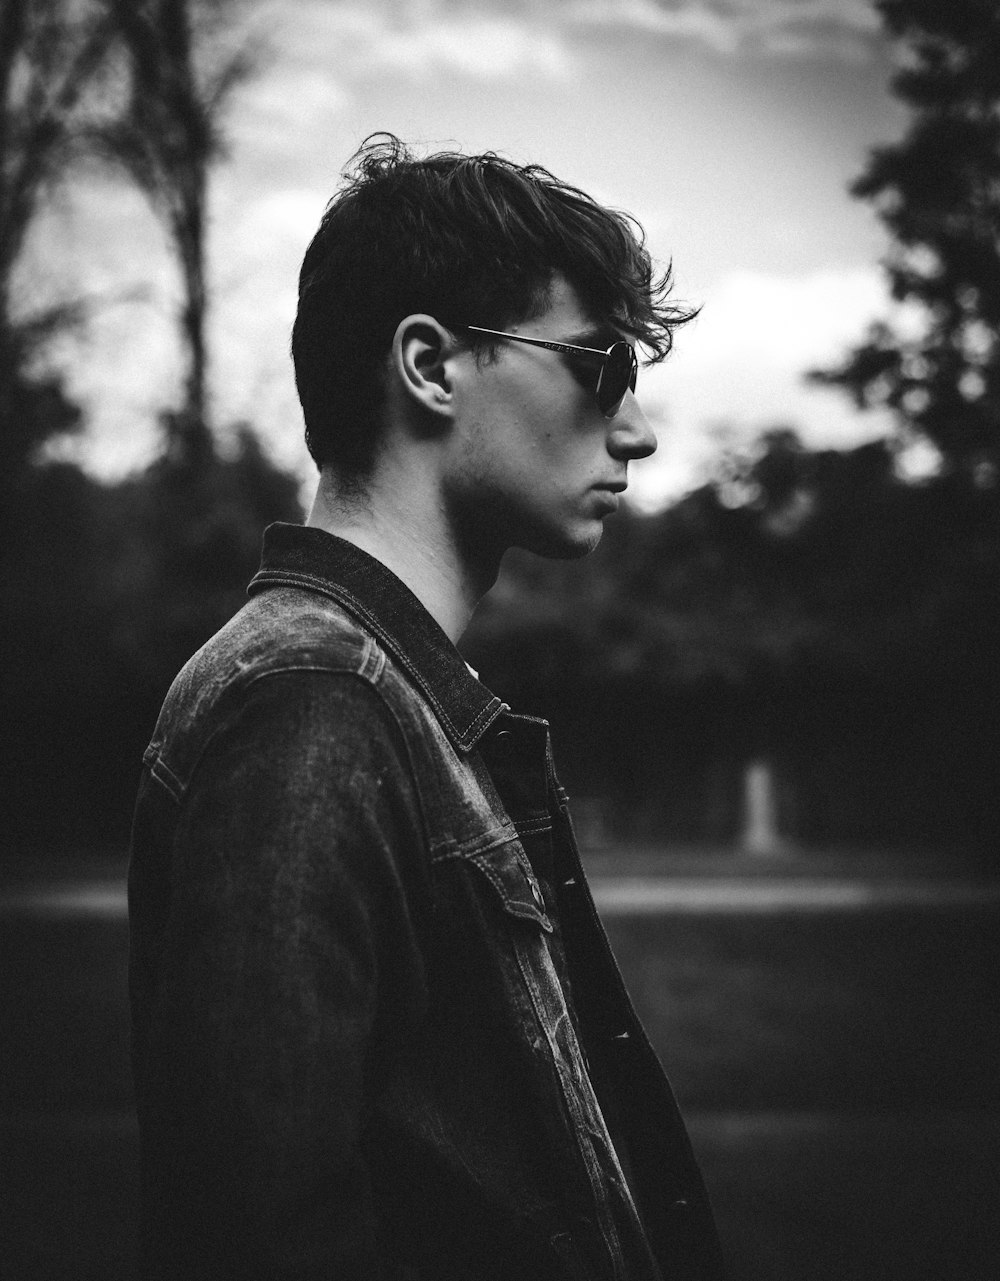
303, 556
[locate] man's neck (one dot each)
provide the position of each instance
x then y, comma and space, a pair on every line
403, 528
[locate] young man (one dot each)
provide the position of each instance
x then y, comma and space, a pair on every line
378, 1031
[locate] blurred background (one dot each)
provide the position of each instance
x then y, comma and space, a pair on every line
774, 687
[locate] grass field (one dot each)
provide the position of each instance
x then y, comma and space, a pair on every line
838, 1070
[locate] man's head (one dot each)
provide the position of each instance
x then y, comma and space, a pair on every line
469, 240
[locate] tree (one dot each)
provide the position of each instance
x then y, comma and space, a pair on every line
167, 137
937, 191
52, 55
143, 83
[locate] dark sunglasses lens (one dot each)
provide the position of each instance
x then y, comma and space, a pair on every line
617, 377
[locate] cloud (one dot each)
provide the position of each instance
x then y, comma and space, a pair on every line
348, 41
320, 53
698, 21
478, 46
788, 319
258, 251
320, 58
302, 97
738, 369
485, 39
123, 372
839, 28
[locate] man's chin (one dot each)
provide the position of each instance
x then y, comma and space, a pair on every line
563, 545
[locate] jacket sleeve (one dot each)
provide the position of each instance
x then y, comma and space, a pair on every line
285, 961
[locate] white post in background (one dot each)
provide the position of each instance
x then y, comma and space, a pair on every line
759, 836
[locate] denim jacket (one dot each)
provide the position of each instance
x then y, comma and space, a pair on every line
378, 1032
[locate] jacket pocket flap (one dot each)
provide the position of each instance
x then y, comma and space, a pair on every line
510, 874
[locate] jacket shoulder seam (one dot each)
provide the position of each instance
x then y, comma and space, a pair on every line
368, 673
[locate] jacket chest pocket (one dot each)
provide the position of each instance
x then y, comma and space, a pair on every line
518, 894
496, 934
521, 930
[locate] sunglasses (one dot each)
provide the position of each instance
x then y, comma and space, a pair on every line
619, 366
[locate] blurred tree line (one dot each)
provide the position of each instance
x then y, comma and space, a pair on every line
108, 588
825, 612
808, 609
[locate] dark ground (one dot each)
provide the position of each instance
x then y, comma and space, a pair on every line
838, 1070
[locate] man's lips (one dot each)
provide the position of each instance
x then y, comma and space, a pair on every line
608, 495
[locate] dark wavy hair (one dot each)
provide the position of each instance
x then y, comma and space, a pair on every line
470, 240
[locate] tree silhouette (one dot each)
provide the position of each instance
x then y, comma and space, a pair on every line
107, 589
53, 55
180, 74
937, 191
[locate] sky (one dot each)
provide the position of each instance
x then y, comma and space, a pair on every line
730, 128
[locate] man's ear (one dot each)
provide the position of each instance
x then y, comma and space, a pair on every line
420, 353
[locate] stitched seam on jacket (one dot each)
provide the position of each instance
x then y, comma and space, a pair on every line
529, 826
182, 788
493, 838
527, 911
165, 776
489, 713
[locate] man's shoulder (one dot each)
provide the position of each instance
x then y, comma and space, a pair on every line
279, 633
284, 629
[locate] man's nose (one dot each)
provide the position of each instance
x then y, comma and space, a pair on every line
631, 435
